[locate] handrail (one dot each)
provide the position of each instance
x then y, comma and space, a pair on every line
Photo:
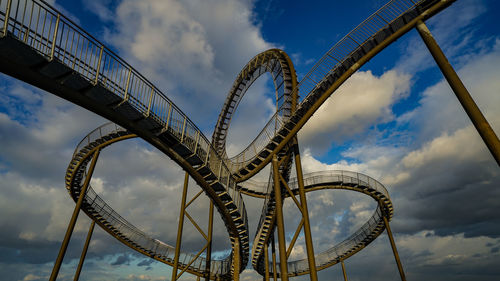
93, 202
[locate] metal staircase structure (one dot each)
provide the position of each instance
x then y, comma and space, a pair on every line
44, 48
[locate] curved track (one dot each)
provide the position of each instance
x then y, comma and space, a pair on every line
56, 55
98, 210
351, 245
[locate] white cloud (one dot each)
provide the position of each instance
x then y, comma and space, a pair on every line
362, 101
193, 50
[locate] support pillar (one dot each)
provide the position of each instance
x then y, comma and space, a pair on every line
273, 254
280, 225
84, 251
236, 261
209, 247
74, 217
313, 275
394, 249
266, 262
343, 270
180, 227
482, 126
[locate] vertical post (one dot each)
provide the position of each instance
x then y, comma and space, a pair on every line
7, 16
482, 126
74, 217
236, 260
343, 270
273, 254
179, 230
125, 97
313, 275
98, 70
209, 248
84, 252
150, 100
54, 37
266, 262
279, 221
394, 250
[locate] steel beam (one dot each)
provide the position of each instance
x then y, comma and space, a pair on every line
74, 217
273, 254
343, 270
394, 249
482, 126
209, 242
266, 262
236, 260
279, 221
313, 275
84, 252
180, 227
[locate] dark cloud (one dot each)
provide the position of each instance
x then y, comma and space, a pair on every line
145, 262
122, 259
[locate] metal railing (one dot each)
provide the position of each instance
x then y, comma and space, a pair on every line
95, 204
56, 37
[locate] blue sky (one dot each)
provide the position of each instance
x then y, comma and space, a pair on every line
395, 120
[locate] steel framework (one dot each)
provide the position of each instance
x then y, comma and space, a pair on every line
42, 47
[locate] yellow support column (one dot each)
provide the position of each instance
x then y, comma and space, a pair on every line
273, 254
394, 249
343, 270
280, 225
236, 261
482, 126
74, 217
179, 230
313, 275
210, 233
266, 262
84, 252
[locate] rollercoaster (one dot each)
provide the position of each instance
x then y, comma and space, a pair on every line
44, 48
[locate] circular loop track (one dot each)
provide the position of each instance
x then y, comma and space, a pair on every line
277, 63
354, 243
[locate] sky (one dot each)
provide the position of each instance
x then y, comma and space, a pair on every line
395, 120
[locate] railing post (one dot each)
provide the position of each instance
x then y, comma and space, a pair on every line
98, 70
168, 115
150, 100
125, 97
52, 50
183, 128
7, 16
